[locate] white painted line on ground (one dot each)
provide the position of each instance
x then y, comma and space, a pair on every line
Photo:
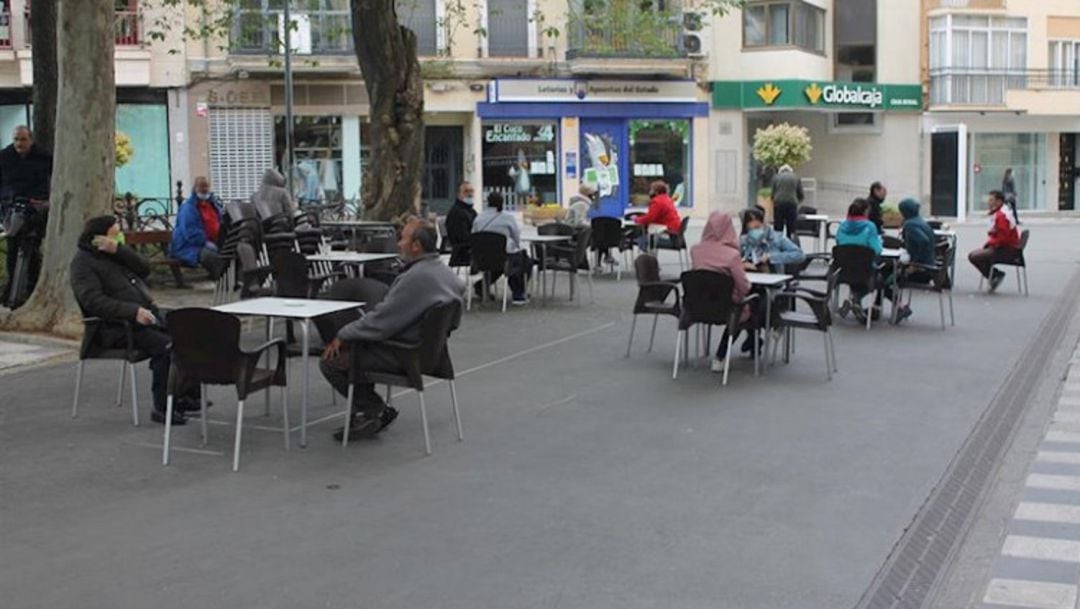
1065, 426
1037, 595
1048, 512
1042, 548
194, 451
1055, 456
1062, 436
1067, 416
1054, 482
1069, 401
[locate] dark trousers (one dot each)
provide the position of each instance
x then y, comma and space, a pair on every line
519, 266
987, 257
366, 401
785, 216
212, 261
11, 259
756, 320
156, 343
913, 277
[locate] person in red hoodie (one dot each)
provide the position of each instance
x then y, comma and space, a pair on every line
1003, 243
661, 212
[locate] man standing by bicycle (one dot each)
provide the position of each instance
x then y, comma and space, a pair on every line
25, 173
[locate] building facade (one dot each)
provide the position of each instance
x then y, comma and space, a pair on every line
149, 79
1003, 82
846, 71
526, 97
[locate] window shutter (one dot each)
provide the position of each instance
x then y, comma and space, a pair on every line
241, 150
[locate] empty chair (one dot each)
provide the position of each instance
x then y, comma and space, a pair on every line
855, 266
608, 234
206, 350
577, 261
677, 242
489, 257
128, 355
707, 300
430, 356
653, 296
292, 279
787, 317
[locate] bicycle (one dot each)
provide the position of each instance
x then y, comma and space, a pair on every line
24, 222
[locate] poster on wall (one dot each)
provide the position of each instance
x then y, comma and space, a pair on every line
602, 161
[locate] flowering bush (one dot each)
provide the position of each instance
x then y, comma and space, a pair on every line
783, 144
124, 149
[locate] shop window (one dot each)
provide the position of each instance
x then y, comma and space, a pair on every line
316, 173
855, 122
1024, 153
784, 24
521, 161
660, 150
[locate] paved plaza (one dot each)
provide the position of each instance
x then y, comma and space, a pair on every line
586, 479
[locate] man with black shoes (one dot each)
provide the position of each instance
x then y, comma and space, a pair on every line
425, 283
108, 279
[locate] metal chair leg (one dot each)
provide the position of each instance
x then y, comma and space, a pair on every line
952, 313
505, 289
423, 421
828, 358
1019, 283
832, 350
134, 397
678, 353
285, 415
457, 412
1026, 292
633, 326
727, 360
168, 430
239, 431
202, 414
652, 335
348, 416
120, 387
78, 385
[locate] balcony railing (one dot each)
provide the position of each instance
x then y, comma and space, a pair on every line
5, 30
313, 33
128, 28
632, 34
966, 87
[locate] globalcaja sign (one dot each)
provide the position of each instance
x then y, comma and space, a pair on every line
819, 95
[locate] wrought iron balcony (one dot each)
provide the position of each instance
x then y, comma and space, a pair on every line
313, 33
629, 33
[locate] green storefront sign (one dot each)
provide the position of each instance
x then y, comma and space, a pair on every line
815, 94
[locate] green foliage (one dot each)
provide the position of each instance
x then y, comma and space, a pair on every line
783, 144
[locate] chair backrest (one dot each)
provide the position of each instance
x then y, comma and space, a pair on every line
1024, 234
205, 345
647, 268
807, 228
279, 242
290, 274
488, 251
706, 297
277, 224
582, 240
309, 239
854, 264
892, 242
435, 328
606, 232
556, 229
240, 210
361, 289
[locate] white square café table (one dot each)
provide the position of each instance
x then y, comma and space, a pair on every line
769, 281
300, 309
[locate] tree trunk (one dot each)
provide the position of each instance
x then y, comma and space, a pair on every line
386, 52
82, 181
45, 72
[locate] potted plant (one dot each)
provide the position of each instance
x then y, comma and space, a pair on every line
776, 146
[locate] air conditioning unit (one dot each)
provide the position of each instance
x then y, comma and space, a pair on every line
694, 42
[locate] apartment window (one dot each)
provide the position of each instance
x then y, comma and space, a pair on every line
318, 26
420, 16
508, 28
975, 59
855, 44
1064, 64
784, 24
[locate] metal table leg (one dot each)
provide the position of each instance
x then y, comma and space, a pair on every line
304, 398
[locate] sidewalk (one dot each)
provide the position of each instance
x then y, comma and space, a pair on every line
20, 350
1039, 562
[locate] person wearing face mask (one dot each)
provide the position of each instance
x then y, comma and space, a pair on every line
109, 282
459, 221
763, 248
198, 227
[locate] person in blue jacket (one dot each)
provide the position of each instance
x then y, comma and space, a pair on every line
198, 226
763, 248
858, 230
920, 244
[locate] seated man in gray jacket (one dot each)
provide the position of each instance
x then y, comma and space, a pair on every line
425, 283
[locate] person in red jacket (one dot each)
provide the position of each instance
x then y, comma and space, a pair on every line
661, 212
1003, 243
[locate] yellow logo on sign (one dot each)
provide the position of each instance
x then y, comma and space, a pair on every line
769, 93
813, 93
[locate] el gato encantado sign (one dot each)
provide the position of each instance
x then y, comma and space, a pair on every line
811, 94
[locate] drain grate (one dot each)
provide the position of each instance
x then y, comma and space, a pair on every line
920, 557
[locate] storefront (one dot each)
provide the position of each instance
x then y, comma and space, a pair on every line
543, 138
860, 133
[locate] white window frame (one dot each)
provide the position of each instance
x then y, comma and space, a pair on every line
945, 24
530, 10
1059, 49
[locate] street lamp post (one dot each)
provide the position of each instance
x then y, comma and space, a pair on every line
288, 99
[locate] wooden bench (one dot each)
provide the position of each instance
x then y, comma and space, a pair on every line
160, 240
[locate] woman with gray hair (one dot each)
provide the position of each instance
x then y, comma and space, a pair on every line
787, 194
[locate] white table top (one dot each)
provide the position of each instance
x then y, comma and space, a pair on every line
357, 223
890, 252
768, 279
945, 233
353, 257
295, 308
546, 238
814, 217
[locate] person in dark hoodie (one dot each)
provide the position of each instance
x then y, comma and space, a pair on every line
25, 172
920, 243
878, 192
273, 202
459, 222
109, 281
858, 230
